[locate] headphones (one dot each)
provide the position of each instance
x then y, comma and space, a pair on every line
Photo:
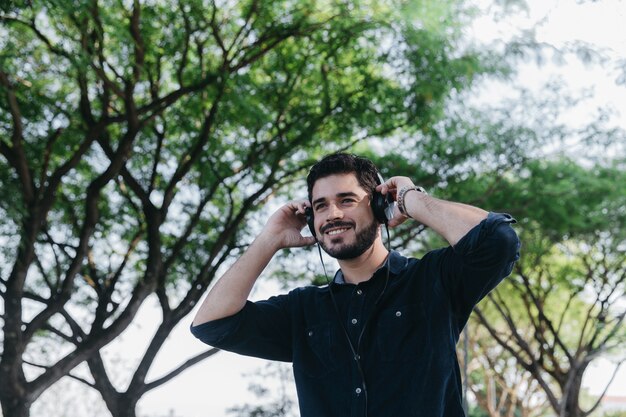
382, 206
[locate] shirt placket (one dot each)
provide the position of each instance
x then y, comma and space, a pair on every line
356, 319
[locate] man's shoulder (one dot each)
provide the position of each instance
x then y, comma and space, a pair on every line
309, 290
400, 263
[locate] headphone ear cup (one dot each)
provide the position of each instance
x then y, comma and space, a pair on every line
381, 205
310, 220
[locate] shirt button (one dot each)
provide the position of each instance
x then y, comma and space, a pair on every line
398, 313
358, 391
354, 321
310, 332
359, 292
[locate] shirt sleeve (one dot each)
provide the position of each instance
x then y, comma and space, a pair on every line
479, 262
261, 329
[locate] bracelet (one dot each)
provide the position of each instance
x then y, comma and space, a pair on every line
400, 198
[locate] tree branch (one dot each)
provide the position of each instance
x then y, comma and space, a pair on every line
15, 155
139, 46
190, 362
195, 151
531, 367
606, 388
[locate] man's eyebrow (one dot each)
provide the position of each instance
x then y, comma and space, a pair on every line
347, 194
338, 195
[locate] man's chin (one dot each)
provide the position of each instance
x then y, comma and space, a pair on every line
338, 241
343, 252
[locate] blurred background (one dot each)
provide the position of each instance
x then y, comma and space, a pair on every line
144, 143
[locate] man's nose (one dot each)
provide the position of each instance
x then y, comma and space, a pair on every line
334, 213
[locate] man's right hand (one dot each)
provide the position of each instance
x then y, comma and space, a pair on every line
284, 228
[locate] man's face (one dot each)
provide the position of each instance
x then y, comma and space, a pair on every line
344, 220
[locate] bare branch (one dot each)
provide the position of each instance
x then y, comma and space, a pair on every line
81, 380
606, 388
191, 224
540, 311
190, 362
531, 366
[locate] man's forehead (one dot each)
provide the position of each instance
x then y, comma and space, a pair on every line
336, 185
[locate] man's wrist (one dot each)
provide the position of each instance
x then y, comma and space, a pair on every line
268, 241
402, 193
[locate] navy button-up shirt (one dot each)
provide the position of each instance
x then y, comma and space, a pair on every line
404, 325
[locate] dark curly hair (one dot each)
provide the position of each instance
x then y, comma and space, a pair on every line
344, 163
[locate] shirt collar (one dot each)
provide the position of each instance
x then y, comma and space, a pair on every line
397, 263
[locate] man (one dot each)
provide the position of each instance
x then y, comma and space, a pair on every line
379, 341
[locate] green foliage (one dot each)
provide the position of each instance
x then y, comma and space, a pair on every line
614, 414
590, 199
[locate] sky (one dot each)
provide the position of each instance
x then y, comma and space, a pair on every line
209, 388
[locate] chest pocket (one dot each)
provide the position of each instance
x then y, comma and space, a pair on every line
402, 333
318, 355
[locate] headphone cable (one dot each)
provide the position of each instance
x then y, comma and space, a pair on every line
355, 352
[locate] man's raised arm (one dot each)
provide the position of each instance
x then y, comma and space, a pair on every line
449, 219
229, 295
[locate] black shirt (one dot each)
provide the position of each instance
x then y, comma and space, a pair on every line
402, 325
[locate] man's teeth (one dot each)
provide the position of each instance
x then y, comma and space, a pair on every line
337, 231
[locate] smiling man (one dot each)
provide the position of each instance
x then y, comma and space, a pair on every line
379, 340
340, 200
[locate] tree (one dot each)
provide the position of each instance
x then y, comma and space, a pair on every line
138, 138
281, 399
561, 308
498, 385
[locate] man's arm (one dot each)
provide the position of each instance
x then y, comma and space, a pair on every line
230, 293
451, 220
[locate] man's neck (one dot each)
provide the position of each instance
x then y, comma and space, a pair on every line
362, 268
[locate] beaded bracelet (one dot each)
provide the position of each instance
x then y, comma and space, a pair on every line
400, 198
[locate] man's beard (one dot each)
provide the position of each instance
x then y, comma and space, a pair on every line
364, 240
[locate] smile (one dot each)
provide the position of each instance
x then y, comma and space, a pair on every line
337, 231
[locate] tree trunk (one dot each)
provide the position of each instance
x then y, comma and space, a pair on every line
13, 406
571, 393
14, 395
126, 407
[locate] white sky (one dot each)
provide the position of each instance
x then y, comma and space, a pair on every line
207, 389
597, 23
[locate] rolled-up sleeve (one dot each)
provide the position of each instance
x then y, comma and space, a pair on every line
479, 262
261, 329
